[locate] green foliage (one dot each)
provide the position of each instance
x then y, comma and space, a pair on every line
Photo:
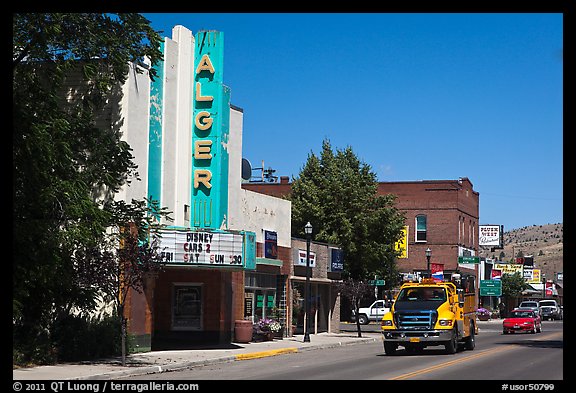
83, 338
337, 194
66, 67
513, 285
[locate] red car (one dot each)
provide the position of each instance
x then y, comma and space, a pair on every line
522, 321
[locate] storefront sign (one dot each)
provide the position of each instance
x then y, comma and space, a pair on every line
496, 274
402, 244
489, 235
203, 248
248, 304
509, 268
270, 245
437, 270
210, 133
301, 261
336, 260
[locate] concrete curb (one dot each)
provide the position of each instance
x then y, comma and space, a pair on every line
262, 354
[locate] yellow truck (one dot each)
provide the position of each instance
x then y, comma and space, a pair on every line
430, 313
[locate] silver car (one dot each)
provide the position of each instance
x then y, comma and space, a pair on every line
530, 304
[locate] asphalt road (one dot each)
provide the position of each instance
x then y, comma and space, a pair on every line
497, 357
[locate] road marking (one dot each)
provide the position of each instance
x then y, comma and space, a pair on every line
465, 359
272, 352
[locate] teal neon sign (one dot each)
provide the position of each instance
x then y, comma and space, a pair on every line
210, 133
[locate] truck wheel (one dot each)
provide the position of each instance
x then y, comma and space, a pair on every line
390, 348
363, 319
452, 345
471, 340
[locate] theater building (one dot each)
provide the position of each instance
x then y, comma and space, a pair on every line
227, 250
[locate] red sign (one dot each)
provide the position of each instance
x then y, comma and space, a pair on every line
496, 274
437, 270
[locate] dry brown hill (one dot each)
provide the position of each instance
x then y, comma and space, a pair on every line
544, 242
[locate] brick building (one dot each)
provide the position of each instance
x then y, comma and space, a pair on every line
441, 215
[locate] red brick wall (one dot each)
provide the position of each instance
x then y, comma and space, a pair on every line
211, 295
446, 203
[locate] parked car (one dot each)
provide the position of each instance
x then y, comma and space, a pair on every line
531, 304
549, 309
522, 320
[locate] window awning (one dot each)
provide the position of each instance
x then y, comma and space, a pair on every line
269, 261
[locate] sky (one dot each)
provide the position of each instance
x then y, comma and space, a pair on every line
427, 96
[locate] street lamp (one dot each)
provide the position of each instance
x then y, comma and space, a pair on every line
308, 231
428, 255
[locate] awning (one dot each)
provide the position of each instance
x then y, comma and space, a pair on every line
269, 261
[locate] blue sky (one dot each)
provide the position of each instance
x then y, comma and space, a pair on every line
416, 96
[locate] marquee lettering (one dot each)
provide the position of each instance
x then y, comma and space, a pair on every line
202, 176
199, 96
202, 149
203, 120
205, 64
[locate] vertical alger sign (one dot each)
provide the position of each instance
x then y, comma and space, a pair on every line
210, 133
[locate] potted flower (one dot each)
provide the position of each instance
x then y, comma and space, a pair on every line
269, 327
483, 314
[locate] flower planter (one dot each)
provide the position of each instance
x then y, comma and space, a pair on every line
279, 334
483, 317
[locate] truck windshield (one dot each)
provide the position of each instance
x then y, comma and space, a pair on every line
420, 294
547, 303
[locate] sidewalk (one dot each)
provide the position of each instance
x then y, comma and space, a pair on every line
161, 361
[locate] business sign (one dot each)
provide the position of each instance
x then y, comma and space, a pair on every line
437, 271
536, 276
402, 244
528, 274
489, 235
496, 274
336, 260
509, 268
301, 259
206, 249
210, 134
270, 245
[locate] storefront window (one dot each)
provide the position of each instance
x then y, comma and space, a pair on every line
259, 296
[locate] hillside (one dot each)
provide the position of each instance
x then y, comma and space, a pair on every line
544, 242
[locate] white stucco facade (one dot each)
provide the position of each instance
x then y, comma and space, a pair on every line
247, 210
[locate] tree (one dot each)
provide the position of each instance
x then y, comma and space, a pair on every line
354, 290
129, 255
337, 193
66, 169
513, 285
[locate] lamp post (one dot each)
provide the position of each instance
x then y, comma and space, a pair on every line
308, 231
428, 255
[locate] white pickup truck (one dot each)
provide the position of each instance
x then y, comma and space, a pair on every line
374, 312
549, 309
